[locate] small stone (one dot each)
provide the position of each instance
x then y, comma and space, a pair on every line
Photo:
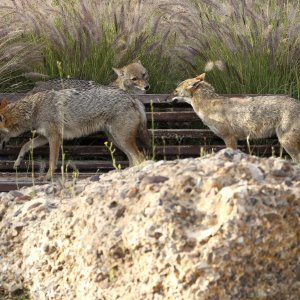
48, 249
117, 252
94, 178
120, 211
187, 189
51, 190
123, 194
17, 212
113, 204
69, 214
228, 153
256, 173
34, 205
16, 194
272, 217
22, 199
157, 288
213, 184
153, 180
281, 168
253, 200
288, 182
279, 173
89, 200
132, 192
182, 211
18, 228
297, 272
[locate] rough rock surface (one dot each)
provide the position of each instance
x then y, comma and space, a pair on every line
225, 226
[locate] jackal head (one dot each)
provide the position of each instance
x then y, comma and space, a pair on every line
4, 131
185, 90
133, 78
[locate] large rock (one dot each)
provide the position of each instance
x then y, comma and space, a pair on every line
225, 226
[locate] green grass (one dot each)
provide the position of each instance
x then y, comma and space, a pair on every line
257, 41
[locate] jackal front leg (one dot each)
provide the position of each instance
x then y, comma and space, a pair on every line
32, 144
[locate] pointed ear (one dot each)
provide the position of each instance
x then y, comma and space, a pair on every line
201, 77
119, 72
195, 85
3, 103
137, 61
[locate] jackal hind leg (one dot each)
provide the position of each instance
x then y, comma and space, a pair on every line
54, 144
291, 143
230, 142
32, 144
126, 142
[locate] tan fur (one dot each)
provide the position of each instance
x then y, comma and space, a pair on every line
68, 114
133, 78
238, 118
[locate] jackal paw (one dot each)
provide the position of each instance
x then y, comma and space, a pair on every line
17, 164
43, 178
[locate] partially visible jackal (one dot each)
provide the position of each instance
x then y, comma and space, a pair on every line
68, 114
132, 78
239, 118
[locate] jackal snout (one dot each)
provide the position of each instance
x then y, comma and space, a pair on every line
133, 78
185, 89
173, 98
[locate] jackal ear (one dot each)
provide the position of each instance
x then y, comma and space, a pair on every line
119, 72
195, 85
201, 77
3, 103
136, 60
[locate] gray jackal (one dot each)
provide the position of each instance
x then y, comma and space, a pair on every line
68, 114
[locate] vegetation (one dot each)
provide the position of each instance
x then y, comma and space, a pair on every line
253, 45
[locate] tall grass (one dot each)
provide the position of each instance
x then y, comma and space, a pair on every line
89, 37
17, 57
258, 41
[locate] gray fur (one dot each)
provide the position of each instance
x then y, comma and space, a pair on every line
68, 83
69, 113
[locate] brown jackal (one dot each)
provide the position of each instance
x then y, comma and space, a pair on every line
238, 118
67, 114
132, 78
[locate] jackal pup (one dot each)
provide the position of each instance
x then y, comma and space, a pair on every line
238, 118
68, 114
132, 78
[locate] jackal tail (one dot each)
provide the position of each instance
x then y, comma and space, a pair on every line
143, 133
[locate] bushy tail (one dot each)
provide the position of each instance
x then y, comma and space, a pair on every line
143, 133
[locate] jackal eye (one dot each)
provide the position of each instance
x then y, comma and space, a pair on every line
134, 79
